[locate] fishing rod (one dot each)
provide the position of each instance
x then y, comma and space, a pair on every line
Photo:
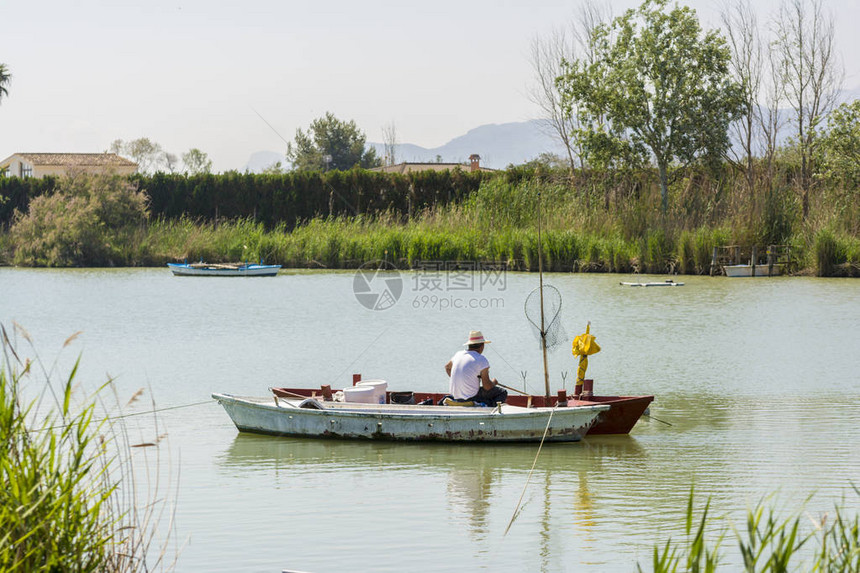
512, 389
542, 322
658, 419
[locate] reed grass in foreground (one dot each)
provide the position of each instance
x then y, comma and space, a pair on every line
68, 486
768, 544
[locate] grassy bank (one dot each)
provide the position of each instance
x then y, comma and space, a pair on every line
585, 228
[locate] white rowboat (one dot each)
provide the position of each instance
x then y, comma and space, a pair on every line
315, 419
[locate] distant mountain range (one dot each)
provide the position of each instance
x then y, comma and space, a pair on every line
499, 145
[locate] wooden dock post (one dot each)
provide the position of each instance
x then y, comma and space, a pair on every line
753, 257
714, 260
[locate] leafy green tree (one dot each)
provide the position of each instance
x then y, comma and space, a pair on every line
839, 160
5, 76
331, 144
841, 144
196, 162
149, 155
658, 85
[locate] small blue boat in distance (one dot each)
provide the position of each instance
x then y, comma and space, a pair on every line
202, 269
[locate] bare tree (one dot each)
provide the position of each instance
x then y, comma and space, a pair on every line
739, 20
547, 56
117, 146
170, 161
813, 75
768, 114
591, 15
389, 142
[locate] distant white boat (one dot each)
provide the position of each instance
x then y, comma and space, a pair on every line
312, 418
223, 269
746, 270
668, 282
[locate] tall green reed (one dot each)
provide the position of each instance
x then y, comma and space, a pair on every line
68, 500
766, 544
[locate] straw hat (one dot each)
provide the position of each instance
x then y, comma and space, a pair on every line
475, 337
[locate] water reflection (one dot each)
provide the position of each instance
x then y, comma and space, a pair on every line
474, 474
252, 452
470, 490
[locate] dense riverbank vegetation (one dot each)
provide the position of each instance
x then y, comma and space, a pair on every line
591, 222
654, 181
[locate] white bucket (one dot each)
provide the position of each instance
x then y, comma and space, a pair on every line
379, 389
362, 394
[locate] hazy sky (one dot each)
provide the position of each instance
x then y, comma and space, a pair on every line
190, 73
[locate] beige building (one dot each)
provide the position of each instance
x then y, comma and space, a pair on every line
473, 165
41, 164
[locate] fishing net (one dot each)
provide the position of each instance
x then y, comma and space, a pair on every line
552, 330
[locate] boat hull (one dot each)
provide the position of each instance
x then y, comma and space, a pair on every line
668, 283
622, 415
399, 422
187, 270
746, 270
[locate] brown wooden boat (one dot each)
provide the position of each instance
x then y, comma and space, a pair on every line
622, 415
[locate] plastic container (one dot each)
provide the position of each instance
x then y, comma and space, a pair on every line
379, 389
360, 394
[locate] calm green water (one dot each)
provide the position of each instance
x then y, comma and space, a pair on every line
760, 379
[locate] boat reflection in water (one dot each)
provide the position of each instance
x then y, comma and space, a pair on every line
480, 482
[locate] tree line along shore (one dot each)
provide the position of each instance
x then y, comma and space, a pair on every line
679, 140
590, 221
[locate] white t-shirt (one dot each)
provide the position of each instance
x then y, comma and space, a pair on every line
466, 368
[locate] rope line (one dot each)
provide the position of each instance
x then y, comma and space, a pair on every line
155, 411
531, 471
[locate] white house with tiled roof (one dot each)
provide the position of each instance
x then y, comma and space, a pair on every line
41, 164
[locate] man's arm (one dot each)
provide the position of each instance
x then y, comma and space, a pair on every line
448, 368
486, 381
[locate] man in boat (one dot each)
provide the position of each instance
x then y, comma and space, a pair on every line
469, 372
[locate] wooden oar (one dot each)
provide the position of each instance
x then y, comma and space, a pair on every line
512, 389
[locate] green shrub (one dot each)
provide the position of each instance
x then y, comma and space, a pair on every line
828, 253
836, 255
88, 221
